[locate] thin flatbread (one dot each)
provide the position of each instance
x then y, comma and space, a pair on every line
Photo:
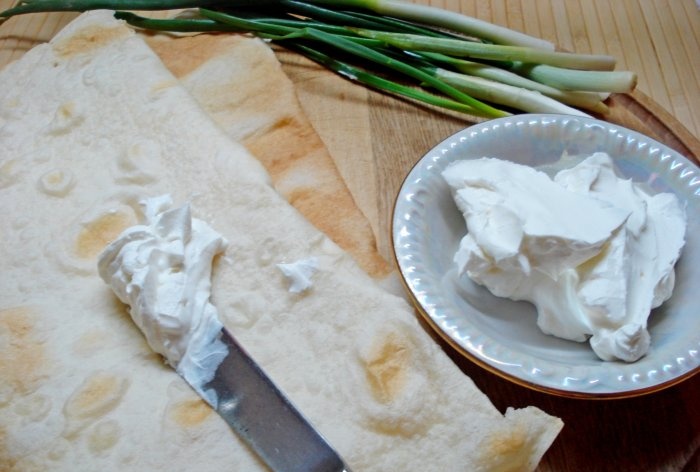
92, 123
239, 82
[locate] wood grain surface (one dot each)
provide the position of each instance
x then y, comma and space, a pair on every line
375, 140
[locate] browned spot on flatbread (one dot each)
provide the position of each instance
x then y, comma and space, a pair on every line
6, 462
188, 53
327, 203
104, 436
506, 449
100, 393
286, 142
96, 234
386, 368
22, 360
89, 343
88, 39
337, 220
163, 85
508, 443
66, 111
190, 413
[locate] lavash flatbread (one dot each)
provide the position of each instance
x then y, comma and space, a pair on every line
92, 124
238, 81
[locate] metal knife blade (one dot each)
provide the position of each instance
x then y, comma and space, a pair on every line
265, 419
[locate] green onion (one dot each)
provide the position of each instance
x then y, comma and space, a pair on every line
397, 25
329, 16
444, 19
590, 80
397, 48
376, 82
460, 48
175, 24
276, 31
587, 100
359, 19
504, 94
35, 6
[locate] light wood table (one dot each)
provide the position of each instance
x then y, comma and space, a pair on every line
375, 140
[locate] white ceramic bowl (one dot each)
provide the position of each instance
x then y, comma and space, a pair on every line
501, 335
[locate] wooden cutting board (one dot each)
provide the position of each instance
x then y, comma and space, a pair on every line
376, 139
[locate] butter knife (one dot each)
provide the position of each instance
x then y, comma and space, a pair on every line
265, 419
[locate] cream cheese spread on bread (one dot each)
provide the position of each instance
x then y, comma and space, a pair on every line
162, 270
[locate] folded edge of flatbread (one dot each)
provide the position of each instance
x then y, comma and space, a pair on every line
92, 124
239, 82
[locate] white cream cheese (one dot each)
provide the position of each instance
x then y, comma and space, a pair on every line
162, 270
299, 273
593, 252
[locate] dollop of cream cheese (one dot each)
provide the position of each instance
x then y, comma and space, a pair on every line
299, 273
592, 251
162, 270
